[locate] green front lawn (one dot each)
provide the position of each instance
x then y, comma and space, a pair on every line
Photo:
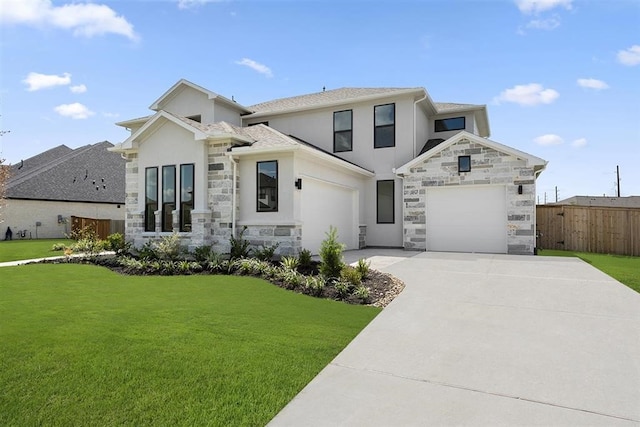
13, 250
82, 345
625, 269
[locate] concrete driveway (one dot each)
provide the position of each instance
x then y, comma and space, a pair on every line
486, 340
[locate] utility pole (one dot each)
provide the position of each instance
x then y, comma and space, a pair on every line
618, 179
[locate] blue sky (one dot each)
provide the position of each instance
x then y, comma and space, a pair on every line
560, 78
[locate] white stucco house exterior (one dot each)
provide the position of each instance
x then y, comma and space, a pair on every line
387, 166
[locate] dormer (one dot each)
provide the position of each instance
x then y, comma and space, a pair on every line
189, 100
452, 118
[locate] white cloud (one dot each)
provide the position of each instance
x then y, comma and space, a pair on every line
593, 84
78, 88
84, 19
37, 81
580, 142
548, 139
630, 56
111, 115
537, 6
527, 95
544, 24
74, 111
261, 68
187, 4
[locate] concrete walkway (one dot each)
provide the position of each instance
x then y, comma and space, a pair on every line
486, 340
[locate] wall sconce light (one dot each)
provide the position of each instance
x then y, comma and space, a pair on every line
298, 183
520, 189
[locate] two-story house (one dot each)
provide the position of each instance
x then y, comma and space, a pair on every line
386, 166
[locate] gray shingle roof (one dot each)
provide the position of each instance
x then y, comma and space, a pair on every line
450, 107
321, 98
66, 174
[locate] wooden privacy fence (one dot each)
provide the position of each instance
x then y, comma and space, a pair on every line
102, 227
589, 229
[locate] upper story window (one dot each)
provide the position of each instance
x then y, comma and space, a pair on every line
150, 198
267, 186
384, 126
342, 131
168, 196
196, 118
186, 196
454, 123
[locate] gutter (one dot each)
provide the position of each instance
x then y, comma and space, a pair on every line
233, 195
415, 126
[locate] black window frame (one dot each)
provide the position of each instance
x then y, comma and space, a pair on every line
258, 187
376, 127
186, 207
444, 128
460, 164
349, 131
393, 201
149, 207
167, 217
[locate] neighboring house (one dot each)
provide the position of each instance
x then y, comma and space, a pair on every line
386, 166
46, 190
601, 201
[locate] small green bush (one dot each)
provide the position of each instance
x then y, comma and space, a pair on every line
239, 246
362, 293
58, 247
168, 247
304, 258
148, 251
363, 267
315, 285
202, 253
117, 243
292, 279
331, 254
350, 275
266, 252
343, 288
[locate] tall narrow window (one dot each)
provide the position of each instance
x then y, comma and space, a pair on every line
384, 126
168, 196
385, 208
150, 198
267, 186
186, 196
342, 131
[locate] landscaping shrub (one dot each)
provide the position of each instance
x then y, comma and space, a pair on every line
362, 293
87, 241
304, 258
58, 247
168, 247
239, 246
350, 275
331, 254
314, 285
266, 253
363, 267
117, 243
343, 288
290, 262
202, 253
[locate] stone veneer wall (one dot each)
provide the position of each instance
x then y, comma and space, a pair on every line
488, 166
220, 196
288, 237
134, 217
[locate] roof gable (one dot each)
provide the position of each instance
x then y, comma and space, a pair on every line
182, 84
536, 162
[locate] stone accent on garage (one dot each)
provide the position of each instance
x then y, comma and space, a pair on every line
488, 167
219, 197
362, 237
287, 236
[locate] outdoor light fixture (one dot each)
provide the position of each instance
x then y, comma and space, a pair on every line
298, 183
520, 189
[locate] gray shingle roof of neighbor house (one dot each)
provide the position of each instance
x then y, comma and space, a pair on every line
72, 175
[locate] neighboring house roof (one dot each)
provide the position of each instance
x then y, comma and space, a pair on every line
182, 83
328, 98
72, 175
601, 201
536, 162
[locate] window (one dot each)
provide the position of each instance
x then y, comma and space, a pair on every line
464, 163
385, 205
342, 131
186, 196
267, 186
384, 126
196, 118
454, 123
150, 198
168, 196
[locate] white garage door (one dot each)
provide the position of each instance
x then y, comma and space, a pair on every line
467, 219
323, 205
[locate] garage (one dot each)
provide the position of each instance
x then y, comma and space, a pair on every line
324, 204
467, 219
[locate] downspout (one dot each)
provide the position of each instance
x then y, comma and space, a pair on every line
233, 195
402, 200
415, 119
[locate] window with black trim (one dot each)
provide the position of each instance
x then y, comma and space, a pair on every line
342, 131
454, 123
186, 195
267, 194
168, 196
384, 200
464, 163
384, 117
150, 198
